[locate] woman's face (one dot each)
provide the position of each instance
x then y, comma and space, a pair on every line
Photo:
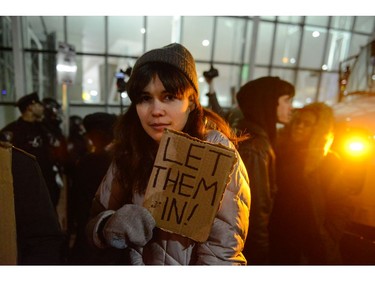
159, 109
303, 126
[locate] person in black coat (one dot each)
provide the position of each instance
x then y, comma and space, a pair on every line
28, 134
264, 102
38, 233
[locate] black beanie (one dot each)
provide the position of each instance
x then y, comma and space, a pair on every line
99, 121
176, 55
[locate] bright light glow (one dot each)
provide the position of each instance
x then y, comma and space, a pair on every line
86, 97
124, 95
201, 79
316, 34
297, 104
373, 77
66, 68
143, 30
89, 81
324, 67
357, 146
93, 93
205, 42
292, 60
285, 60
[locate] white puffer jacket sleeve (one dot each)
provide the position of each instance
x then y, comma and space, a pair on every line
230, 227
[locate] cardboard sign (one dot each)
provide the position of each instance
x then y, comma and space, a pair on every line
187, 184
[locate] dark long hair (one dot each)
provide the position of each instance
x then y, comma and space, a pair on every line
134, 150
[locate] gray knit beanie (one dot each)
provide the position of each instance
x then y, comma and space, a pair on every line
176, 55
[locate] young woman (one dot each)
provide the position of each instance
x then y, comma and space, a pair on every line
312, 203
163, 88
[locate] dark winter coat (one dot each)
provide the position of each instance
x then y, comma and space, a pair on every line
32, 138
39, 236
311, 211
312, 206
259, 159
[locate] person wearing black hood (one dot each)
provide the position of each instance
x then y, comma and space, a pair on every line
264, 102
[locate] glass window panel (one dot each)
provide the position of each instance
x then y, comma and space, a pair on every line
290, 19
312, 47
337, 49
40, 73
342, 22
317, 20
195, 30
225, 85
284, 74
5, 32
87, 33
42, 32
268, 18
159, 32
328, 91
248, 40
229, 39
357, 43
364, 24
245, 75
89, 85
7, 83
125, 35
93, 79
306, 86
259, 72
264, 43
287, 44
114, 66
358, 78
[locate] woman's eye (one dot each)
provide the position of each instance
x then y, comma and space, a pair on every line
169, 97
144, 98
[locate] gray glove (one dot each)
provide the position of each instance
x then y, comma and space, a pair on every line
130, 225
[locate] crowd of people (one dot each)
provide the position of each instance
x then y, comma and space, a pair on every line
281, 204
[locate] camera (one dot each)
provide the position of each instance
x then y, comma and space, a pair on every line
212, 73
121, 75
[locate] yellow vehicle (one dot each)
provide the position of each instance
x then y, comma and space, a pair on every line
355, 141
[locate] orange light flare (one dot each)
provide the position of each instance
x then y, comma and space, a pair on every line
358, 147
